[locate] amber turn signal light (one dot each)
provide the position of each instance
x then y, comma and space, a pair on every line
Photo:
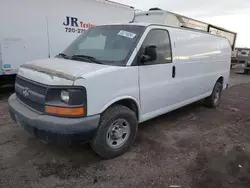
64, 111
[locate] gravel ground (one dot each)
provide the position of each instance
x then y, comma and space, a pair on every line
193, 147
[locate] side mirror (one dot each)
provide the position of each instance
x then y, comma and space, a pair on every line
150, 54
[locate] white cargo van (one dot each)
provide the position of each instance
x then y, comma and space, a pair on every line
38, 29
115, 76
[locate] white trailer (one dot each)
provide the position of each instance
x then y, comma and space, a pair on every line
35, 29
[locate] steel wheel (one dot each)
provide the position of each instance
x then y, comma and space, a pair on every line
118, 133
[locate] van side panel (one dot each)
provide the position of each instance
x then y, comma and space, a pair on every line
200, 60
105, 87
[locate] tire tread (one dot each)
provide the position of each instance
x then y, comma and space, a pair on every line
209, 101
99, 145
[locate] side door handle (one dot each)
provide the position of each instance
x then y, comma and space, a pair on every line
173, 72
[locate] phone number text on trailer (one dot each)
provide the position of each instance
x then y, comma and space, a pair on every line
73, 30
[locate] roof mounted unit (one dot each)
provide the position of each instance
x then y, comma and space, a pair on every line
156, 8
159, 16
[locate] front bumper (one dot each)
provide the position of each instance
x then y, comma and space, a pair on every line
51, 128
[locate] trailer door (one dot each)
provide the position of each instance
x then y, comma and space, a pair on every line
23, 36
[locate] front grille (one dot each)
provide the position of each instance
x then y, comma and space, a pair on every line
30, 93
39, 88
36, 106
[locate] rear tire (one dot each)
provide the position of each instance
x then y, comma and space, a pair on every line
214, 99
116, 133
246, 71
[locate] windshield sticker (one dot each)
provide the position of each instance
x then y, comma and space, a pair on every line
127, 34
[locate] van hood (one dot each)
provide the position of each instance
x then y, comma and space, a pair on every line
56, 71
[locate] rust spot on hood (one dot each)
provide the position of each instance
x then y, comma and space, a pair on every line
49, 71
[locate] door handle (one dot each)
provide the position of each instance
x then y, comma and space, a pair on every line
173, 72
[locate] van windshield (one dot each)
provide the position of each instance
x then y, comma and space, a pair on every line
109, 44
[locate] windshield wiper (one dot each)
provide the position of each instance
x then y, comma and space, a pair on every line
63, 55
86, 58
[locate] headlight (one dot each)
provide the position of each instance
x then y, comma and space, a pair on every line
70, 101
65, 96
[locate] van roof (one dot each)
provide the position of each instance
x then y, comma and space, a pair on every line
135, 23
146, 24
162, 25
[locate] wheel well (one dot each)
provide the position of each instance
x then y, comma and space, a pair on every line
220, 80
131, 104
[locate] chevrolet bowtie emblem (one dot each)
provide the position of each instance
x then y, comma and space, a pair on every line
26, 92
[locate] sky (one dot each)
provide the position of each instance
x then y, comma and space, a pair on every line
233, 15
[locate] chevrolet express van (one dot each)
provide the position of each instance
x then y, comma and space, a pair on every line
115, 76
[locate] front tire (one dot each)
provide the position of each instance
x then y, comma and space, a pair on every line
116, 133
214, 99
